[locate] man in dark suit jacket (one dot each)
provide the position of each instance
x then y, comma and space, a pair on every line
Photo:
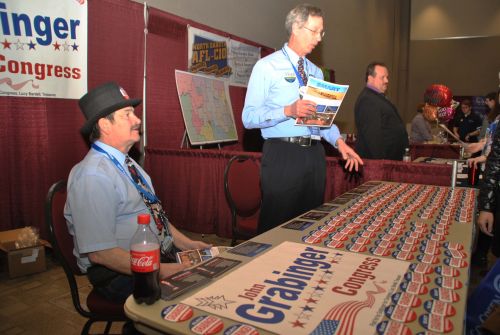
381, 131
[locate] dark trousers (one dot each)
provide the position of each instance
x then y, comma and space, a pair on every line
292, 181
111, 285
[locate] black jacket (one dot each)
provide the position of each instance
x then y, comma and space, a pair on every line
381, 131
488, 192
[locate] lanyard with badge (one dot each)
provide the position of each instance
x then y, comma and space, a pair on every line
151, 200
297, 74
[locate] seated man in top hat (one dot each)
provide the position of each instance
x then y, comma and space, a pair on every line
104, 199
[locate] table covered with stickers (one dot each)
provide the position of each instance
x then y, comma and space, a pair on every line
383, 258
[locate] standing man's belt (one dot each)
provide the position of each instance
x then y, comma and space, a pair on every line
304, 141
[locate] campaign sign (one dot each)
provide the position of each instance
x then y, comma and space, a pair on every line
305, 289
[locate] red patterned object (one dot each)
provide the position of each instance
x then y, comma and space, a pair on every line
438, 95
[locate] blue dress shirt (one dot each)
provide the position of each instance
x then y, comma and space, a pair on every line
273, 85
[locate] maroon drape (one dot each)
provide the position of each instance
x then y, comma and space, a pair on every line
191, 183
40, 137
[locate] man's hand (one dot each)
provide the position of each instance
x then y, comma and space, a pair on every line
475, 147
300, 108
474, 161
348, 154
485, 222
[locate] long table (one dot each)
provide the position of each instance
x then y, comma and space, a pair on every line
382, 257
185, 177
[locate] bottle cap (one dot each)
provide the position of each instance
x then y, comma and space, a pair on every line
143, 219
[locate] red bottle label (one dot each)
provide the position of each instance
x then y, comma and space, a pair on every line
145, 261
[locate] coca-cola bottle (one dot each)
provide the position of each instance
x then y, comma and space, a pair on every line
145, 262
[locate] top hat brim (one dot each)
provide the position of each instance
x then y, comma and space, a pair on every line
87, 127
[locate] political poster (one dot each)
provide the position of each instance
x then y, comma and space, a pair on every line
43, 51
300, 289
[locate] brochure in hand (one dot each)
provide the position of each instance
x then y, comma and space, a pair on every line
195, 256
328, 97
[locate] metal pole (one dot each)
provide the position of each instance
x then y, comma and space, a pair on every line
144, 137
454, 173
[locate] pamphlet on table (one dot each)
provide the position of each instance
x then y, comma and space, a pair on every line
195, 256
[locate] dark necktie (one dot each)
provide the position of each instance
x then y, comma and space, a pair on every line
155, 207
314, 130
302, 73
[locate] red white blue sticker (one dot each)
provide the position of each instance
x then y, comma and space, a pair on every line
406, 247
448, 282
366, 234
439, 307
455, 253
334, 244
421, 268
355, 247
319, 233
339, 236
413, 288
406, 299
436, 237
387, 237
455, 262
379, 251
430, 249
403, 255
435, 323
417, 277
414, 234
444, 294
241, 329
361, 240
384, 244
400, 313
428, 259
447, 271
206, 325
453, 245
392, 328
311, 239
409, 240
177, 313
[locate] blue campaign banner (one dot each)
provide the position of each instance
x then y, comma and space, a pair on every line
483, 300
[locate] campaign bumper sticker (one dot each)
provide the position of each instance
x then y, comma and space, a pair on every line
177, 313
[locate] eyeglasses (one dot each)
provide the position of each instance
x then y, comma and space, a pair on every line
315, 32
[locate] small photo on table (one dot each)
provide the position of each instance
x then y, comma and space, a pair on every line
314, 215
326, 208
297, 225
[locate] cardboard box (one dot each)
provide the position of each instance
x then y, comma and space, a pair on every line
22, 261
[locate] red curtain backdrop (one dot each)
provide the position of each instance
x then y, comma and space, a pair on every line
41, 136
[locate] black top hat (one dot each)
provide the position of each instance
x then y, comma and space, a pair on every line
102, 101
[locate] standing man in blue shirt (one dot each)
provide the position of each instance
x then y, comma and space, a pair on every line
293, 168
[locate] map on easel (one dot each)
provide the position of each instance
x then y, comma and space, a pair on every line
206, 108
